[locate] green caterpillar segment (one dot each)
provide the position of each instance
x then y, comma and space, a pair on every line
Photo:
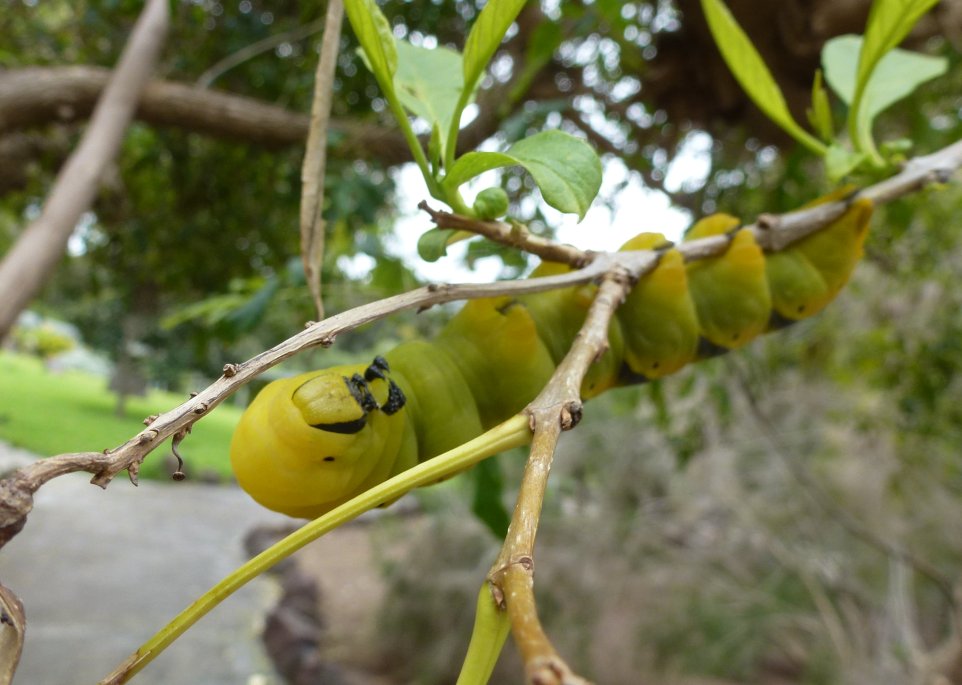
835, 251
798, 289
309, 443
658, 317
809, 274
558, 315
730, 291
500, 354
435, 387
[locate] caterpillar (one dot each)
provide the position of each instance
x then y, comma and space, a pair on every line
311, 442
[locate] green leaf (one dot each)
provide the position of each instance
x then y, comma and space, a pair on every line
246, 317
840, 162
889, 21
750, 71
377, 41
566, 169
429, 82
897, 74
487, 504
472, 164
486, 36
820, 115
433, 244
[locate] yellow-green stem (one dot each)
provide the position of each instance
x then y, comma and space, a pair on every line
512, 433
491, 627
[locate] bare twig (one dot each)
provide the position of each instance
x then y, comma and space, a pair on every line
13, 625
557, 408
515, 235
775, 233
315, 158
32, 259
16, 491
251, 51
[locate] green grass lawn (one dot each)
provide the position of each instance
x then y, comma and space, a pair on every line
51, 413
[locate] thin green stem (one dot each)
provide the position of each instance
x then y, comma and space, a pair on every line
415, 145
860, 132
451, 146
491, 627
512, 433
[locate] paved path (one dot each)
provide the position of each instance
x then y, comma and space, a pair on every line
99, 571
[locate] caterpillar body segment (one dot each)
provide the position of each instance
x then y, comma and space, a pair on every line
658, 318
309, 443
496, 344
559, 314
730, 291
808, 275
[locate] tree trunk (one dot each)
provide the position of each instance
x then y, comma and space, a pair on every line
28, 265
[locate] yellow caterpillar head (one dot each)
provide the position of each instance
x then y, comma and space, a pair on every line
308, 443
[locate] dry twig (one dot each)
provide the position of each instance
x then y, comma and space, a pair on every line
315, 158
515, 235
16, 491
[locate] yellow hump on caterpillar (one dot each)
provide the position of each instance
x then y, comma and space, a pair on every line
730, 291
658, 317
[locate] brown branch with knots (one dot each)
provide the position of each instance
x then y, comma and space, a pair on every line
556, 409
774, 232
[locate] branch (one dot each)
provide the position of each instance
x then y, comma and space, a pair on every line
315, 158
31, 260
513, 235
36, 96
16, 491
251, 51
557, 408
774, 232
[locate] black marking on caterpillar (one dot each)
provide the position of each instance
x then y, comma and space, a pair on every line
778, 322
395, 399
377, 370
361, 392
343, 427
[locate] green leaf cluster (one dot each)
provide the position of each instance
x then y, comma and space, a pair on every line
868, 74
436, 85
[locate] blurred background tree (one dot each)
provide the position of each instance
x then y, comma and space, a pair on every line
787, 514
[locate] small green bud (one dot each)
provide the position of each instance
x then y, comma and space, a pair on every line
491, 203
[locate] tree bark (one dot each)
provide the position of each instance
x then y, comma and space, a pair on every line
36, 96
27, 266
